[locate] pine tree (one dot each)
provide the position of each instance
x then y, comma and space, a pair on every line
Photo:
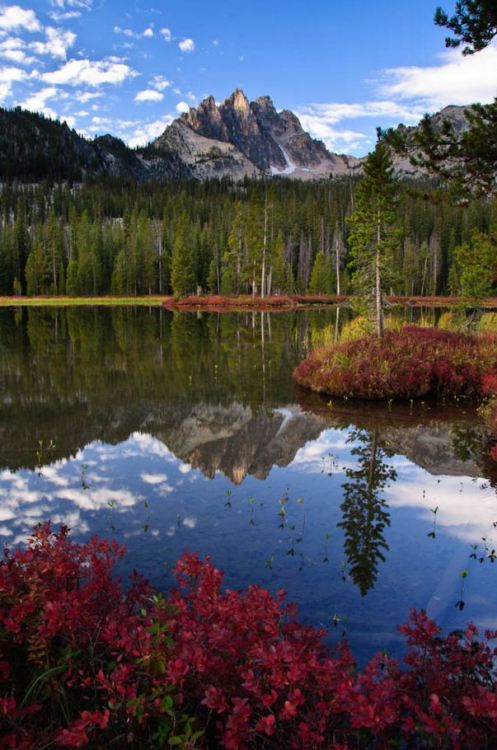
321, 276
279, 280
38, 272
21, 244
373, 234
54, 248
235, 258
182, 268
473, 24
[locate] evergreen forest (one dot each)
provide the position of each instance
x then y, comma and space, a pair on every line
220, 237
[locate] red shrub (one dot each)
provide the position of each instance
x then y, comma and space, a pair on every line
412, 363
220, 303
85, 665
78, 657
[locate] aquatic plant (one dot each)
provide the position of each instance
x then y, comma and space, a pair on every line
86, 664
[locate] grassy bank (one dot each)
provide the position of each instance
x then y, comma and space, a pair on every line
220, 303
146, 301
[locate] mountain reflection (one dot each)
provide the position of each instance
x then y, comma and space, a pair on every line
117, 421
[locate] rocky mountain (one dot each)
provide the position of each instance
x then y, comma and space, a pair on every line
455, 115
249, 138
235, 139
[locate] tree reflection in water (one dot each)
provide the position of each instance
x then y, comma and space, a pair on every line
364, 512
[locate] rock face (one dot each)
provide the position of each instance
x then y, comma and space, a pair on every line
453, 114
201, 157
240, 138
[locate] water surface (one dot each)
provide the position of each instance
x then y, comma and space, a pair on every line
174, 431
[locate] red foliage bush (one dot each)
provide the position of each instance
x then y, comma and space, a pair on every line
219, 302
413, 363
79, 659
85, 665
274, 302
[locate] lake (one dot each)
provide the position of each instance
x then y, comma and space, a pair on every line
175, 431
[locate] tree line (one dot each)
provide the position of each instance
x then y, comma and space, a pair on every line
256, 237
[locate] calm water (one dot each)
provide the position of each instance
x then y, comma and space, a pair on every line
185, 431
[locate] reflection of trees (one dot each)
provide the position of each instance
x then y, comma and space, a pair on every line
72, 375
364, 511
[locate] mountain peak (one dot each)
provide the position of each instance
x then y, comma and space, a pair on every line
208, 103
238, 100
265, 102
261, 139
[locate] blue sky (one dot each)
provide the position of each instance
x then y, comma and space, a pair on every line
130, 67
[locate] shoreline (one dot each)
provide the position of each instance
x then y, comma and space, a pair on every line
238, 303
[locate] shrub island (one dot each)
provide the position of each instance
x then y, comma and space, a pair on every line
407, 364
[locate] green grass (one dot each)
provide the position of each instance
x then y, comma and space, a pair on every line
147, 301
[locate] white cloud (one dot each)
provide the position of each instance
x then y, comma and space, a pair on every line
320, 120
12, 75
457, 80
153, 478
148, 33
90, 72
338, 140
63, 4
37, 102
118, 126
58, 41
187, 45
13, 18
335, 112
166, 33
160, 83
83, 97
57, 16
149, 95
12, 49
182, 107
5, 91
125, 32
147, 132
466, 516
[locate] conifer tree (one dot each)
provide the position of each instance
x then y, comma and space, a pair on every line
39, 279
279, 280
235, 258
21, 244
474, 24
182, 267
373, 234
321, 276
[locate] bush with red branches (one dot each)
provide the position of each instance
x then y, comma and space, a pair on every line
411, 363
85, 664
81, 662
